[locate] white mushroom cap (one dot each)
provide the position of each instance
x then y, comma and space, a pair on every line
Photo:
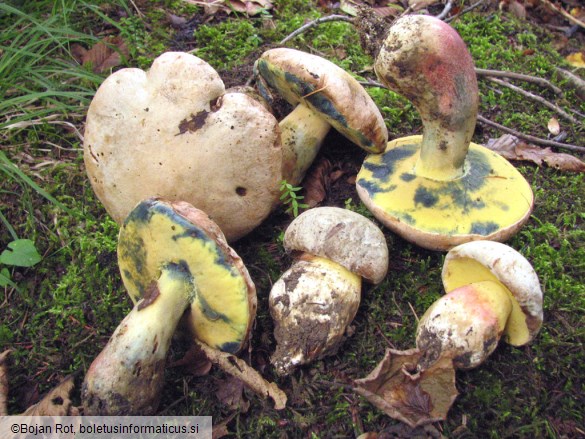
477, 261
173, 132
343, 236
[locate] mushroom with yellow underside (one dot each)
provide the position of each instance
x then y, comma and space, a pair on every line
175, 263
439, 189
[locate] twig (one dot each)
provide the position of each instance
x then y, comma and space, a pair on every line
446, 10
536, 98
464, 11
564, 13
138, 11
520, 76
317, 22
530, 138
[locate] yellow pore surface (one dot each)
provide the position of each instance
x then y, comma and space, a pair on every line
464, 271
154, 237
490, 196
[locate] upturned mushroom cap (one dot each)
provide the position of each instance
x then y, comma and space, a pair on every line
343, 236
491, 201
327, 89
486, 260
173, 132
223, 297
439, 190
311, 304
465, 325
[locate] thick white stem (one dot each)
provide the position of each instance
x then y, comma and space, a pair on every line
127, 376
303, 132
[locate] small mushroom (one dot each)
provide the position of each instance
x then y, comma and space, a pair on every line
174, 262
174, 132
439, 189
480, 261
492, 292
324, 96
315, 300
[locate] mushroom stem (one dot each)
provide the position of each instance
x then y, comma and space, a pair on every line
127, 376
425, 60
302, 134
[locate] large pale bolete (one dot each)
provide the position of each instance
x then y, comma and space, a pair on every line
315, 300
174, 132
175, 263
439, 189
324, 96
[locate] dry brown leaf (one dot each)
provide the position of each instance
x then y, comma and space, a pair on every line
194, 362
517, 9
104, 55
553, 126
417, 5
250, 377
230, 392
4, 382
220, 429
414, 398
316, 182
57, 402
512, 148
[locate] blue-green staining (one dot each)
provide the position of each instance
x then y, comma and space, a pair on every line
484, 228
372, 187
405, 176
142, 212
230, 347
211, 313
425, 197
387, 168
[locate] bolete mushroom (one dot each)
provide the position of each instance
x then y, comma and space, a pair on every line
439, 189
324, 96
315, 300
174, 261
174, 132
492, 291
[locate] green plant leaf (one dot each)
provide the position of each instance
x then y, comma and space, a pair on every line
5, 278
21, 252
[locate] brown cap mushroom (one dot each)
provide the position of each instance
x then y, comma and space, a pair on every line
173, 132
315, 300
439, 190
325, 96
172, 258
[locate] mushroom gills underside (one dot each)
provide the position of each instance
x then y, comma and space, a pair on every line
153, 235
491, 196
464, 271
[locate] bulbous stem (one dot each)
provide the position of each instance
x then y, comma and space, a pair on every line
127, 377
302, 134
425, 60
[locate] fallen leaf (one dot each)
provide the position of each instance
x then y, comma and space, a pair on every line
220, 429
230, 392
104, 55
576, 59
194, 362
250, 377
316, 182
512, 148
417, 5
57, 402
517, 9
413, 397
252, 7
553, 126
4, 382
